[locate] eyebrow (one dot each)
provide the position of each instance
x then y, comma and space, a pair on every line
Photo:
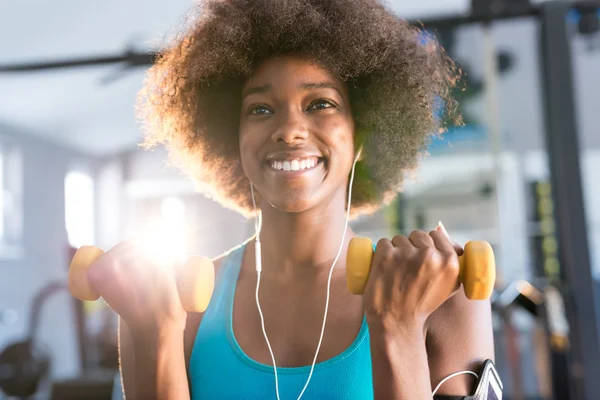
320, 85
304, 85
256, 90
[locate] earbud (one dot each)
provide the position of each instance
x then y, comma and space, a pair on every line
358, 154
257, 227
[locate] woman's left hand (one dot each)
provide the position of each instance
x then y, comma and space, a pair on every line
410, 278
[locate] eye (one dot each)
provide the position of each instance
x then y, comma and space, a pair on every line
320, 105
259, 110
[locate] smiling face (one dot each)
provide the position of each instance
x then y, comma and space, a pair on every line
296, 134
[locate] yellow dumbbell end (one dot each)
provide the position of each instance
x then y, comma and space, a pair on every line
478, 270
358, 264
196, 283
79, 284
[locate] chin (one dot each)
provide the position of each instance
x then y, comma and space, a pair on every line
293, 201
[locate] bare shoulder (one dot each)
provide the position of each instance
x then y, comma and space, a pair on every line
194, 319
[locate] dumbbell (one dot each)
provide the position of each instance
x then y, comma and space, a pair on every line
477, 267
195, 281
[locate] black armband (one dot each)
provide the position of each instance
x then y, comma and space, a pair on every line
489, 385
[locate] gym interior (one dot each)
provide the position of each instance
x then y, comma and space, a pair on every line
521, 174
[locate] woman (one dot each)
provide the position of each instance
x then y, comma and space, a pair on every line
293, 106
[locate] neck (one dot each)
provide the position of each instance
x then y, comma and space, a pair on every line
306, 243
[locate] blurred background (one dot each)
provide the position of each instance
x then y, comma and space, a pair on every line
521, 174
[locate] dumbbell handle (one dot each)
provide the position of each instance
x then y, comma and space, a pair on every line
195, 281
477, 267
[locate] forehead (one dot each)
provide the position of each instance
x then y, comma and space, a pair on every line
288, 71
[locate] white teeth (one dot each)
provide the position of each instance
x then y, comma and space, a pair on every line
294, 165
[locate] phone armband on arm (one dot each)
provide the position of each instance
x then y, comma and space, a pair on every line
489, 385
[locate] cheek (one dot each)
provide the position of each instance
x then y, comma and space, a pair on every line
340, 138
244, 143
247, 152
251, 138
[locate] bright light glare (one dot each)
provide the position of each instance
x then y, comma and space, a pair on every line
165, 240
79, 208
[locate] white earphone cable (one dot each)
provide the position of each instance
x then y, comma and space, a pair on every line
258, 262
452, 376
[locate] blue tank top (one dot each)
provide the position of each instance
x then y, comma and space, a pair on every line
219, 368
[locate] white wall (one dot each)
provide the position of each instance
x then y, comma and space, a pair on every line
45, 257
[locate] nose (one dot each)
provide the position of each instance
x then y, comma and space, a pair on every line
292, 128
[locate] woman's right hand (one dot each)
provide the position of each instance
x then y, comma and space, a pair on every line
142, 290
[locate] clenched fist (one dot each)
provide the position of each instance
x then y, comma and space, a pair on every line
411, 277
138, 287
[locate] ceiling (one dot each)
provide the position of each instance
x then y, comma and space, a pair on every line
73, 106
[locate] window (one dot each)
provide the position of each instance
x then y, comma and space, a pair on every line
79, 208
11, 216
2, 200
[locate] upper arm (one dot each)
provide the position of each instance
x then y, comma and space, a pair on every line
459, 338
126, 360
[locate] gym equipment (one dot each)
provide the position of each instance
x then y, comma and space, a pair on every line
97, 386
576, 284
23, 365
195, 281
477, 267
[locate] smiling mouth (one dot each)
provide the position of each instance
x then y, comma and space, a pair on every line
297, 165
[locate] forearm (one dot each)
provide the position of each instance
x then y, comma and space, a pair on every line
159, 365
399, 364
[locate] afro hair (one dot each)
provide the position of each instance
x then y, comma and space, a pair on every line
399, 79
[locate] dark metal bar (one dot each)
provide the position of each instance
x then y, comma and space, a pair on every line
80, 323
36, 307
130, 58
453, 21
507, 11
563, 151
80, 330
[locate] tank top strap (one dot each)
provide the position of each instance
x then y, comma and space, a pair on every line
225, 280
